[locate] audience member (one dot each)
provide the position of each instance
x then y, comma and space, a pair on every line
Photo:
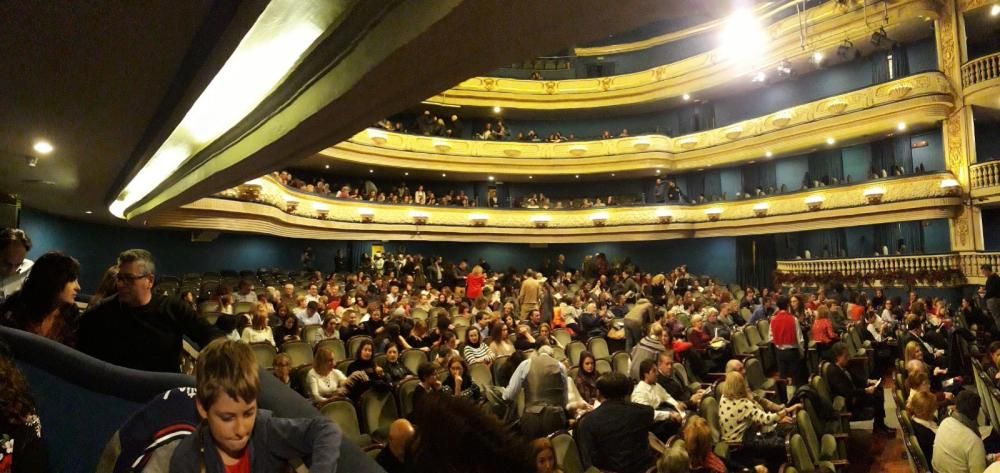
22, 449
46, 303
958, 446
14, 264
613, 437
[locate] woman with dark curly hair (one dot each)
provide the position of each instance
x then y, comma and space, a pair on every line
21, 447
46, 303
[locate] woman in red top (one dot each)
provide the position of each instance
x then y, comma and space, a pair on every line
474, 283
822, 330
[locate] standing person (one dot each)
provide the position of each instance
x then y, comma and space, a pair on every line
14, 266
474, 283
530, 295
307, 259
46, 303
992, 296
641, 315
137, 329
787, 337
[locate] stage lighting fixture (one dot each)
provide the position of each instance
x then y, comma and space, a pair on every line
784, 68
759, 77
878, 37
844, 50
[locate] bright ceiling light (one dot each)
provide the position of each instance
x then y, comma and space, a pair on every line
497, 109
371, 171
830, 140
327, 166
444, 175
89, 212
817, 58
43, 147
995, 10
407, 173
577, 176
272, 47
901, 126
531, 177
686, 97
768, 154
743, 39
759, 77
491, 178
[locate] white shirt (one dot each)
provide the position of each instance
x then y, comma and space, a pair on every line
957, 449
653, 395
305, 319
250, 335
249, 297
322, 388
12, 283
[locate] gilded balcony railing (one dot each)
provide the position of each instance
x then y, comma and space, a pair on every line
948, 269
981, 70
985, 175
911, 263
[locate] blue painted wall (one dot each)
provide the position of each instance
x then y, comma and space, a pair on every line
991, 229
857, 162
790, 172
932, 155
987, 137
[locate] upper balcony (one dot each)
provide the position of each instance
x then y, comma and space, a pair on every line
268, 207
985, 181
981, 81
918, 100
826, 26
938, 270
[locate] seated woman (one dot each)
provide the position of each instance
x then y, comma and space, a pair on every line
21, 446
698, 443
330, 330
822, 331
500, 339
457, 383
393, 369
258, 331
364, 362
288, 331
475, 350
923, 407
586, 377
741, 419
46, 303
281, 367
545, 456
429, 383
325, 383
525, 341
545, 337
713, 349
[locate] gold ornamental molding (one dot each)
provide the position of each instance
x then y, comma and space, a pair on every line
266, 206
969, 5
966, 263
981, 81
919, 100
832, 25
985, 182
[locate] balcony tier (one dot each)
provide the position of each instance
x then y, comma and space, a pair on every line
940, 270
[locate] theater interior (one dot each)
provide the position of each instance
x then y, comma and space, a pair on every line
552, 170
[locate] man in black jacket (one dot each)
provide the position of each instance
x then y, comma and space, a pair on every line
614, 437
856, 393
135, 328
992, 295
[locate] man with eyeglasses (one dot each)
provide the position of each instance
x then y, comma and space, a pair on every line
138, 329
14, 266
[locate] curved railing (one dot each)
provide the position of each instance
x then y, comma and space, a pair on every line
832, 26
980, 70
947, 269
921, 99
985, 175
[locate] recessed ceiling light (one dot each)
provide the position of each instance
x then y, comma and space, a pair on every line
497, 109
43, 147
612, 174
817, 58
444, 175
371, 171
577, 176
759, 77
491, 178
657, 171
407, 173
901, 126
995, 10
830, 140
768, 154
686, 97
751, 162
89, 212
531, 177
327, 166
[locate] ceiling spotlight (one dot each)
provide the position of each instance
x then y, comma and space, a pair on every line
995, 10
817, 58
497, 109
784, 68
743, 39
768, 154
878, 37
759, 77
43, 147
407, 173
901, 126
531, 177
371, 171
686, 97
844, 50
491, 178
327, 166
88, 212
830, 140
612, 174
444, 175
577, 176
657, 171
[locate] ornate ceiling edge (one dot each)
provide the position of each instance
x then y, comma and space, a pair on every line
689, 75
924, 100
245, 217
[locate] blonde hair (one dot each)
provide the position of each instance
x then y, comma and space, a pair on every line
658, 279
822, 312
477, 270
226, 366
735, 386
655, 330
697, 439
922, 404
911, 351
321, 354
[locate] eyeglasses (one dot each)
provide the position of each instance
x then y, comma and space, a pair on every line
128, 278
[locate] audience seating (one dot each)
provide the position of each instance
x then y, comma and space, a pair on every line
573, 352
566, 452
335, 345
300, 352
481, 375
620, 362
343, 364
498, 365
603, 366
562, 336
412, 359
244, 307
404, 392
599, 348
354, 343
265, 354
344, 415
378, 406
310, 333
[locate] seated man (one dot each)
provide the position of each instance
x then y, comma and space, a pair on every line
614, 437
228, 386
958, 446
392, 457
138, 329
857, 394
667, 412
668, 378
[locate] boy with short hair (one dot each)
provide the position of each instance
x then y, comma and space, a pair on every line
236, 436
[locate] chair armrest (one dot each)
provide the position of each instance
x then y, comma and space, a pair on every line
828, 447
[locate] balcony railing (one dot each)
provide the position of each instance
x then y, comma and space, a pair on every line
948, 269
981, 70
985, 175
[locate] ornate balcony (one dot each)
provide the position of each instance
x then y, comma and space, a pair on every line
829, 25
981, 81
919, 100
985, 180
941, 270
279, 210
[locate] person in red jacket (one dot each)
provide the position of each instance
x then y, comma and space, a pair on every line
787, 337
474, 283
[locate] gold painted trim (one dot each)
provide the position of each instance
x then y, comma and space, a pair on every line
918, 100
689, 75
969, 5
910, 198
